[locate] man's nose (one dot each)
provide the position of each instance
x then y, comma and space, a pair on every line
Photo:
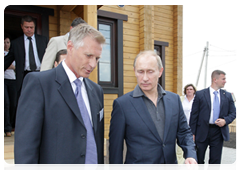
145, 77
93, 62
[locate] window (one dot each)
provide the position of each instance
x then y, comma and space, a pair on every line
107, 66
159, 47
110, 66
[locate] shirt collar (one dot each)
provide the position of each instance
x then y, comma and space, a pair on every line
26, 37
212, 90
70, 74
137, 92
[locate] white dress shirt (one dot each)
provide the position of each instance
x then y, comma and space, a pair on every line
9, 73
37, 61
72, 78
212, 98
187, 107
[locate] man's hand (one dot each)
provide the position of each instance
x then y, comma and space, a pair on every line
192, 164
193, 138
220, 122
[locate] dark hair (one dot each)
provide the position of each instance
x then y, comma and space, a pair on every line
188, 85
7, 36
27, 18
59, 53
77, 21
216, 73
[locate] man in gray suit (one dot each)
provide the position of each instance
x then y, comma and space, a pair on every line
56, 44
60, 111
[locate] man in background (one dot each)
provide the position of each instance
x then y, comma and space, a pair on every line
27, 51
213, 109
60, 56
56, 44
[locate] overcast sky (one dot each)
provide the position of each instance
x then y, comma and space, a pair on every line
217, 23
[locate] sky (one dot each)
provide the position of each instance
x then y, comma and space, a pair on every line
218, 24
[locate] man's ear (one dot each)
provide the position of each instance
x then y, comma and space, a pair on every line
160, 72
55, 64
69, 47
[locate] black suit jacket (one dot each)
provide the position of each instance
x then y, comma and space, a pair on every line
201, 110
131, 121
17, 53
49, 127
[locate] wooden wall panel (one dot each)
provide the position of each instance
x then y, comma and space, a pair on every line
165, 29
108, 102
53, 21
177, 46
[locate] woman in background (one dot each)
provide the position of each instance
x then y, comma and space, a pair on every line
187, 101
10, 93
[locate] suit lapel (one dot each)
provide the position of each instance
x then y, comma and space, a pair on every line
208, 97
65, 89
38, 46
168, 114
222, 99
22, 46
141, 109
93, 101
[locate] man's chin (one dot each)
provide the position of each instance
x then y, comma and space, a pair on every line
86, 75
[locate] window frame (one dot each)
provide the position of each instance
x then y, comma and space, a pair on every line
160, 45
113, 82
119, 18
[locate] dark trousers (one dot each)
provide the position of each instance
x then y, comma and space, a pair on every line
215, 142
10, 103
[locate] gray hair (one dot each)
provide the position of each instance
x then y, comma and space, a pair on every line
149, 53
79, 32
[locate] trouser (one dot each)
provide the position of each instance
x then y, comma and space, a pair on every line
10, 103
215, 142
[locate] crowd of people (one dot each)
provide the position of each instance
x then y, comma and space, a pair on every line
58, 115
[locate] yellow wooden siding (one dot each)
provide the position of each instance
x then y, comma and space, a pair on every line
108, 101
232, 127
177, 46
130, 42
130, 50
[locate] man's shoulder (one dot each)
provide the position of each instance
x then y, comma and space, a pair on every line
40, 36
202, 91
126, 96
57, 38
92, 83
171, 94
43, 75
17, 40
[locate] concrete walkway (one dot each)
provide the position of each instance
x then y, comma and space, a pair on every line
229, 159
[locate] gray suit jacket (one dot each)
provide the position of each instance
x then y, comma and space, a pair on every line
49, 127
55, 44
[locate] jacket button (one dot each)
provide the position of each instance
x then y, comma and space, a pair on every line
82, 155
163, 145
83, 136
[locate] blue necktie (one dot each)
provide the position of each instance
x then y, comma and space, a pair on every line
91, 150
216, 106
